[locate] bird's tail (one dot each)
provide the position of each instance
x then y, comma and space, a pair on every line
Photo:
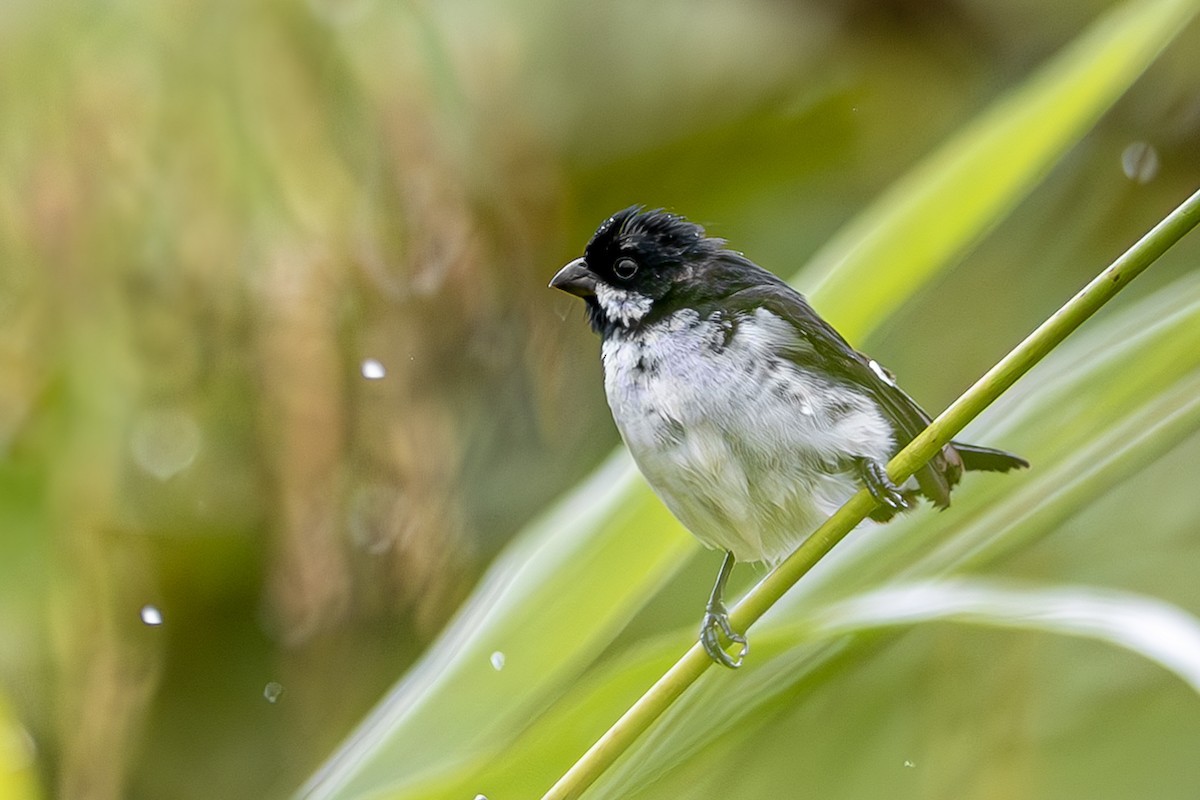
987, 459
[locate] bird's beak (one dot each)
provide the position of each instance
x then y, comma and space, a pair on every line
575, 278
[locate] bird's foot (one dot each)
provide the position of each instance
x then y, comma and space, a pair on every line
716, 624
879, 484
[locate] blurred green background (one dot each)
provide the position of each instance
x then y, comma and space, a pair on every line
278, 363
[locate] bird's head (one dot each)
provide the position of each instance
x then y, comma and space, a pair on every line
639, 265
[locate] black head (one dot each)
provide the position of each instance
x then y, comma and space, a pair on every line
638, 265
647, 250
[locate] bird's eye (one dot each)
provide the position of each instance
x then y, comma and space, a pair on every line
625, 268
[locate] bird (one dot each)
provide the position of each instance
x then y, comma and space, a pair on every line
750, 417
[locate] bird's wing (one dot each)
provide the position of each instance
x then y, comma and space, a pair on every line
832, 355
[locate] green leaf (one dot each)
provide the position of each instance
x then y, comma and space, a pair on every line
1158, 631
544, 610
957, 194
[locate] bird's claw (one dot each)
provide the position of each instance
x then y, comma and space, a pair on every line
889, 496
880, 485
716, 624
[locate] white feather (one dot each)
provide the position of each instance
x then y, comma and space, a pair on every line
748, 450
622, 305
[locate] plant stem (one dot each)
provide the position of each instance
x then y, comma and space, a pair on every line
998, 379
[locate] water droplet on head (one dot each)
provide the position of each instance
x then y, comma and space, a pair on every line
164, 442
481, 797
497, 661
151, 615
909, 764
1139, 162
272, 691
373, 370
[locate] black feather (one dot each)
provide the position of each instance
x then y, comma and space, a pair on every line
988, 459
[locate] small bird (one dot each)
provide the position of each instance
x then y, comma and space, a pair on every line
749, 415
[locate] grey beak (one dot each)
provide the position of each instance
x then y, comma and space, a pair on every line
575, 278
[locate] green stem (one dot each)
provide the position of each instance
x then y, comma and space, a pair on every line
998, 379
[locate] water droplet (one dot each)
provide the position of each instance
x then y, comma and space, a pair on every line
909, 764
1139, 162
497, 661
481, 797
151, 615
372, 370
272, 691
881, 372
165, 441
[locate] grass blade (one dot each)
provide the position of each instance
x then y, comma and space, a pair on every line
942, 206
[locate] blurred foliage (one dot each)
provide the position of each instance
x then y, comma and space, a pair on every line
212, 214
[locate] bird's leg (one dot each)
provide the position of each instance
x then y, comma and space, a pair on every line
874, 476
716, 622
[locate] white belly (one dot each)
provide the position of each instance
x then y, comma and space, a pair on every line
747, 450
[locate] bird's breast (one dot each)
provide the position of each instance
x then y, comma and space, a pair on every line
746, 448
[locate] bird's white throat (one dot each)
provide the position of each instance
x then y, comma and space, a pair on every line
621, 305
